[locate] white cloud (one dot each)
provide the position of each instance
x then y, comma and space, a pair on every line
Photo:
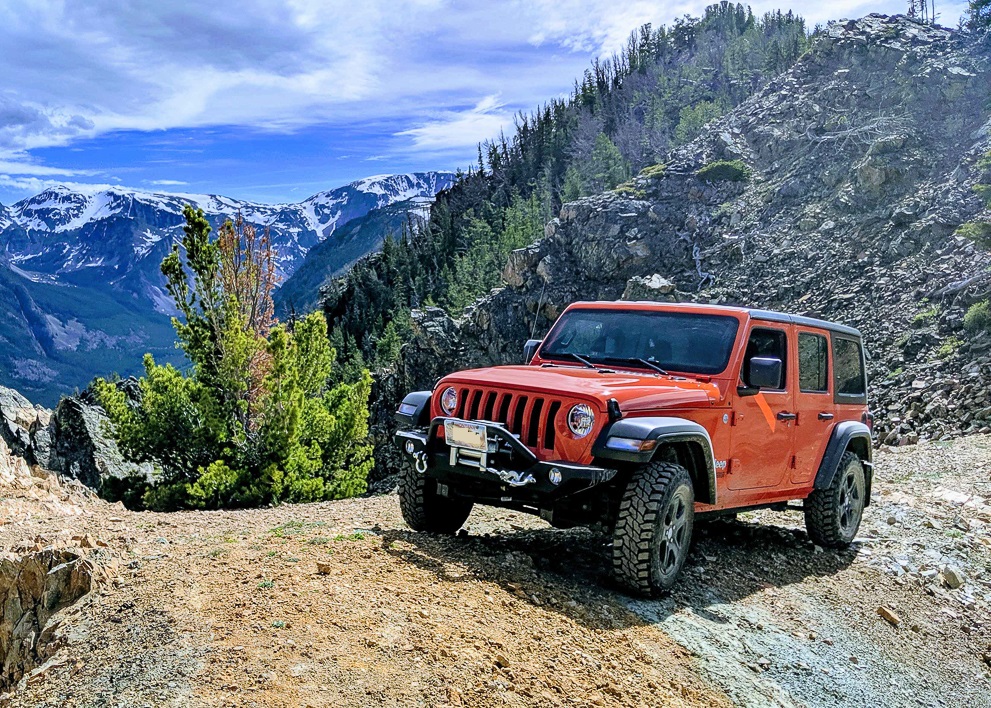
598, 27
73, 70
167, 182
21, 165
20, 173
454, 129
33, 185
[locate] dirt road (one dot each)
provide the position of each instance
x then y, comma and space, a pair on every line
339, 604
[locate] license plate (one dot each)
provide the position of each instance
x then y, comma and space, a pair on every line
470, 436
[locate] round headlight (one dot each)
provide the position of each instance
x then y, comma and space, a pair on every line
449, 400
581, 419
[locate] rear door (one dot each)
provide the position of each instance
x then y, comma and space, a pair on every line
763, 432
849, 377
813, 403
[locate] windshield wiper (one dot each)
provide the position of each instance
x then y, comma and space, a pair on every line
577, 357
638, 360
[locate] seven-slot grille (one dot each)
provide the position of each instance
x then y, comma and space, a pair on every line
531, 417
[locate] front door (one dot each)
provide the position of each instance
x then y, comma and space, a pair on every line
763, 428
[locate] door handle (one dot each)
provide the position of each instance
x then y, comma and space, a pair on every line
825, 416
787, 416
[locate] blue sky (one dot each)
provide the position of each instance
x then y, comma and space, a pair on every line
273, 101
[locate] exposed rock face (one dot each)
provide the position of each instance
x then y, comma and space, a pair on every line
23, 426
654, 288
13, 468
72, 441
863, 159
33, 588
39, 577
82, 448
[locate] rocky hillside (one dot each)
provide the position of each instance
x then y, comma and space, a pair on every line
80, 286
333, 255
859, 164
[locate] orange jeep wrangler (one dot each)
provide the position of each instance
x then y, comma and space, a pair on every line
640, 416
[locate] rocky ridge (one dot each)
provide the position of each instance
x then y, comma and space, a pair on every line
40, 578
861, 162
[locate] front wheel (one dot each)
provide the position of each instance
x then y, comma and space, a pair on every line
424, 509
654, 528
832, 515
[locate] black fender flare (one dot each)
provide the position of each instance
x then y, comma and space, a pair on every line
414, 411
845, 434
662, 430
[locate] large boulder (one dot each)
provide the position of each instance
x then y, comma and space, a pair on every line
33, 587
653, 288
83, 449
13, 468
20, 423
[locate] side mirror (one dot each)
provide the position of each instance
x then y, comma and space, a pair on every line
530, 348
764, 372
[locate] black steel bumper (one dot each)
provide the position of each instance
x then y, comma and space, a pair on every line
507, 472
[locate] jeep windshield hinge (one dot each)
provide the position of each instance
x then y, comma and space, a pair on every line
612, 405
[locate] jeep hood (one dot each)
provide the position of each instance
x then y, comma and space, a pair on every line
635, 391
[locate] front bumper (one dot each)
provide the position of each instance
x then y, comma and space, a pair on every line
507, 472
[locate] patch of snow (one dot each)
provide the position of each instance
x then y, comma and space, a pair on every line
99, 206
371, 185
148, 240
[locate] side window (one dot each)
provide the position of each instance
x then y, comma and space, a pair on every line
813, 363
769, 343
848, 366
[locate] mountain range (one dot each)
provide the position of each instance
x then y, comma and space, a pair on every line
82, 294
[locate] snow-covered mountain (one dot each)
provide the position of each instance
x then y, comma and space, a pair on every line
67, 246
60, 231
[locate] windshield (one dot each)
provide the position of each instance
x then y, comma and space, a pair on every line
676, 341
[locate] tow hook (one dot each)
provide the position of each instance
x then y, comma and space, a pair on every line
420, 460
513, 479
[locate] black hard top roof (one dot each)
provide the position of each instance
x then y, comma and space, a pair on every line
771, 316
763, 315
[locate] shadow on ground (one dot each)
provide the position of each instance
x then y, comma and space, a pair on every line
569, 571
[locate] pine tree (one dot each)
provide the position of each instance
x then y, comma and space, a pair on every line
258, 419
608, 167
978, 15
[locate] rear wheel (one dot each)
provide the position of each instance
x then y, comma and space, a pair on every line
833, 514
654, 528
424, 509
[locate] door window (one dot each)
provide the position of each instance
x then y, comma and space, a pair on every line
768, 343
848, 367
813, 363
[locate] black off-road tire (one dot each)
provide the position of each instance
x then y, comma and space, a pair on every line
425, 510
654, 528
833, 514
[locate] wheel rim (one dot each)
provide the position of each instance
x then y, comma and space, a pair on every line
675, 530
851, 501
